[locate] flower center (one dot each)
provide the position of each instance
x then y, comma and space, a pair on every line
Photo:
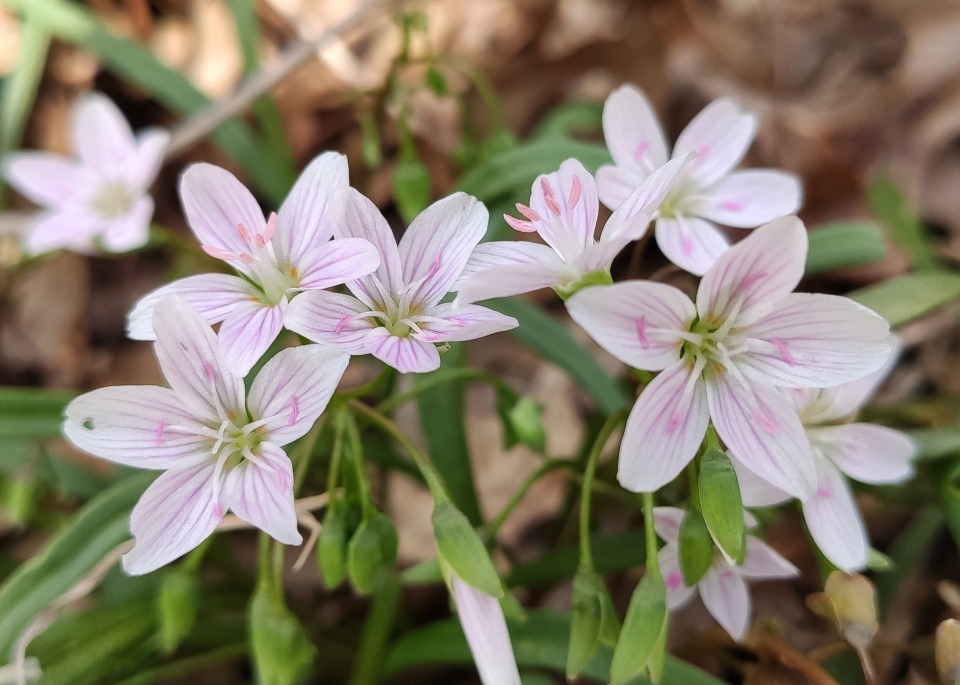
113, 201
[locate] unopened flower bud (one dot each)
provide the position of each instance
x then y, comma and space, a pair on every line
850, 603
948, 651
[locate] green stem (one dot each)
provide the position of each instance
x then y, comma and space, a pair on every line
368, 388
355, 450
653, 564
180, 668
392, 403
430, 474
304, 451
376, 632
611, 424
497, 522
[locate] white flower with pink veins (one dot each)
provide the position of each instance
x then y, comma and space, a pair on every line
709, 192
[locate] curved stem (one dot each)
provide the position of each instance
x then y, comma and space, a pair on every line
356, 460
612, 423
546, 467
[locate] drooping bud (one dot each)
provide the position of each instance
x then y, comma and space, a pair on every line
849, 601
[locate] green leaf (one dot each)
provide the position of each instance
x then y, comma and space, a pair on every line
27, 413
585, 118
642, 626
842, 244
937, 443
721, 504
695, 547
889, 206
436, 81
177, 605
902, 299
371, 553
521, 419
332, 546
550, 340
592, 618
74, 551
442, 419
459, 546
282, 652
411, 186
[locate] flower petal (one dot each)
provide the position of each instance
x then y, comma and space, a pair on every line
865, 452
262, 494
632, 132
762, 561
755, 273
638, 322
485, 628
70, 229
145, 426
614, 184
834, 520
142, 168
213, 296
330, 319
467, 322
130, 231
43, 178
664, 430
691, 243
840, 402
514, 279
633, 215
216, 204
175, 514
190, 358
666, 521
295, 387
362, 219
438, 243
816, 341
678, 594
760, 429
566, 203
406, 355
337, 261
308, 216
100, 135
721, 136
754, 490
247, 333
750, 198
726, 597
505, 253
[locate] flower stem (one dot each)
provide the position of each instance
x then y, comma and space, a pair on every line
612, 423
546, 467
355, 450
653, 563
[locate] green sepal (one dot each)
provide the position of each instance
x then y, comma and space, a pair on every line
332, 546
461, 548
282, 652
695, 547
721, 503
645, 619
371, 552
593, 619
178, 603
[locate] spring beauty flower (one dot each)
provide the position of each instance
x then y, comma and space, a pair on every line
723, 588
862, 451
277, 257
563, 211
723, 358
220, 448
99, 199
396, 313
709, 193
485, 628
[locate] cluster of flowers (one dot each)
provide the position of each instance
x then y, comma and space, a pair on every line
776, 373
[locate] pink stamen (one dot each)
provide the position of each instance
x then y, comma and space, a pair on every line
732, 205
529, 212
552, 206
546, 188
642, 332
246, 258
294, 411
244, 233
219, 253
549, 198
518, 225
782, 349
271, 228
641, 150
575, 190
259, 241
766, 421
160, 433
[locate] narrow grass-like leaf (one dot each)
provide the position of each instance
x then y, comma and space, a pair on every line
28, 413
937, 443
889, 206
902, 299
842, 244
570, 118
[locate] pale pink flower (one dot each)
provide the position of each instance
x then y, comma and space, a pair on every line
723, 588
99, 199
563, 211
485, 628
277, 257
709, 192
219, 447
724, 358
395, 314
861, 451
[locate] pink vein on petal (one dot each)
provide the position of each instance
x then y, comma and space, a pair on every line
294, 410
782, 349
642, 332
766, 421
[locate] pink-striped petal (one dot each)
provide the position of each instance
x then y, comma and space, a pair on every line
294, 387
43, 178
362, 219
330, 319
467, 322
100, 135
566, 203
727, 598
438, 243
632, 132
633, 215
664, 430
678, 594
142, 168
405, 354
337, 261
261, 493
762, 561
638, 322
753, 275
614, 184
666, 521
762, 430
145, 426
834, 521
175, 514
505, 253
815, 341
747, 199
506, 281
690, 242
754, 490
191, 361
309, 214
130, 231
721, 136
247, 333
485, 628
866, 452
843, 401
213, 296
216, 204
